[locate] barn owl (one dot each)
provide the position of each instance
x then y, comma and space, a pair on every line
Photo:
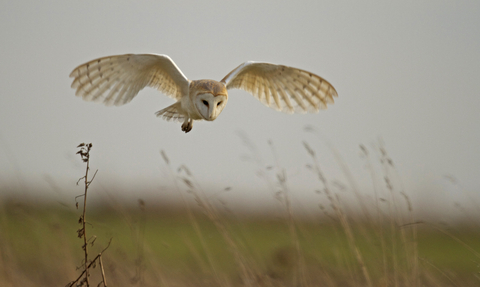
116, 80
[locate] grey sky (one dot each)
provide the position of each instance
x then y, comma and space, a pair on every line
405, 71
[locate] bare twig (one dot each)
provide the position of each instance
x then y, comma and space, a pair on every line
103, 272
98, 257
82, 232
85, 154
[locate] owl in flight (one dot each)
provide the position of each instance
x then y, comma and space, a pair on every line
116, 80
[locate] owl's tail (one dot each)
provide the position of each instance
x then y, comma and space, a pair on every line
171, 113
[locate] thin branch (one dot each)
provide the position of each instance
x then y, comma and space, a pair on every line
93, 177
91, 263
104, 280
85, 245
80, 179
84, 153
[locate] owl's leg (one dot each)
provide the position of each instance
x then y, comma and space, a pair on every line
187, 125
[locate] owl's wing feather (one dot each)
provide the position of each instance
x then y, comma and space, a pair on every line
283, 88
172, 113
116, 80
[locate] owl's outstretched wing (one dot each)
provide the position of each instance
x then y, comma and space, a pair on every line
283, 88
116, 80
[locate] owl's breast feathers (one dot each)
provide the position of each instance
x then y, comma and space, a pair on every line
208, 86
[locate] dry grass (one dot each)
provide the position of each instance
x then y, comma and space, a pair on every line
84, 278
204, 243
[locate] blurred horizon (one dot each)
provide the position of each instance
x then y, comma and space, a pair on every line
453, 205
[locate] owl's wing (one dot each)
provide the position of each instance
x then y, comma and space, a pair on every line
116, 80
283, 88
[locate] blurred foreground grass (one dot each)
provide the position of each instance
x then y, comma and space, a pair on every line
374, 240
156, 246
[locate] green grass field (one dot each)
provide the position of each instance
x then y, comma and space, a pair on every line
156, 247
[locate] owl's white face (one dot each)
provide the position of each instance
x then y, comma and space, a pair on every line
210, 106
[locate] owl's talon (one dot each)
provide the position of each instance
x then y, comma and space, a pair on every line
187, 126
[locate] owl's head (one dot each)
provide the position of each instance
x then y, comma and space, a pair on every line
210, 98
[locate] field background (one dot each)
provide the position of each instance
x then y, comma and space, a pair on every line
153, 245
200, 240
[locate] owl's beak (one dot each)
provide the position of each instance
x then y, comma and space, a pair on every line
212, 116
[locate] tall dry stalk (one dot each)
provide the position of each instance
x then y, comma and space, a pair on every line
340, 214
83, 279
85, 154
300, 271
203, 201
191, 216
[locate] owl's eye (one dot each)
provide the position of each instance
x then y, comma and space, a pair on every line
205, 103
218, 104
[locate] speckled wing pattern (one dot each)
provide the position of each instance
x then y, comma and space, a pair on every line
116, 80
283, 88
